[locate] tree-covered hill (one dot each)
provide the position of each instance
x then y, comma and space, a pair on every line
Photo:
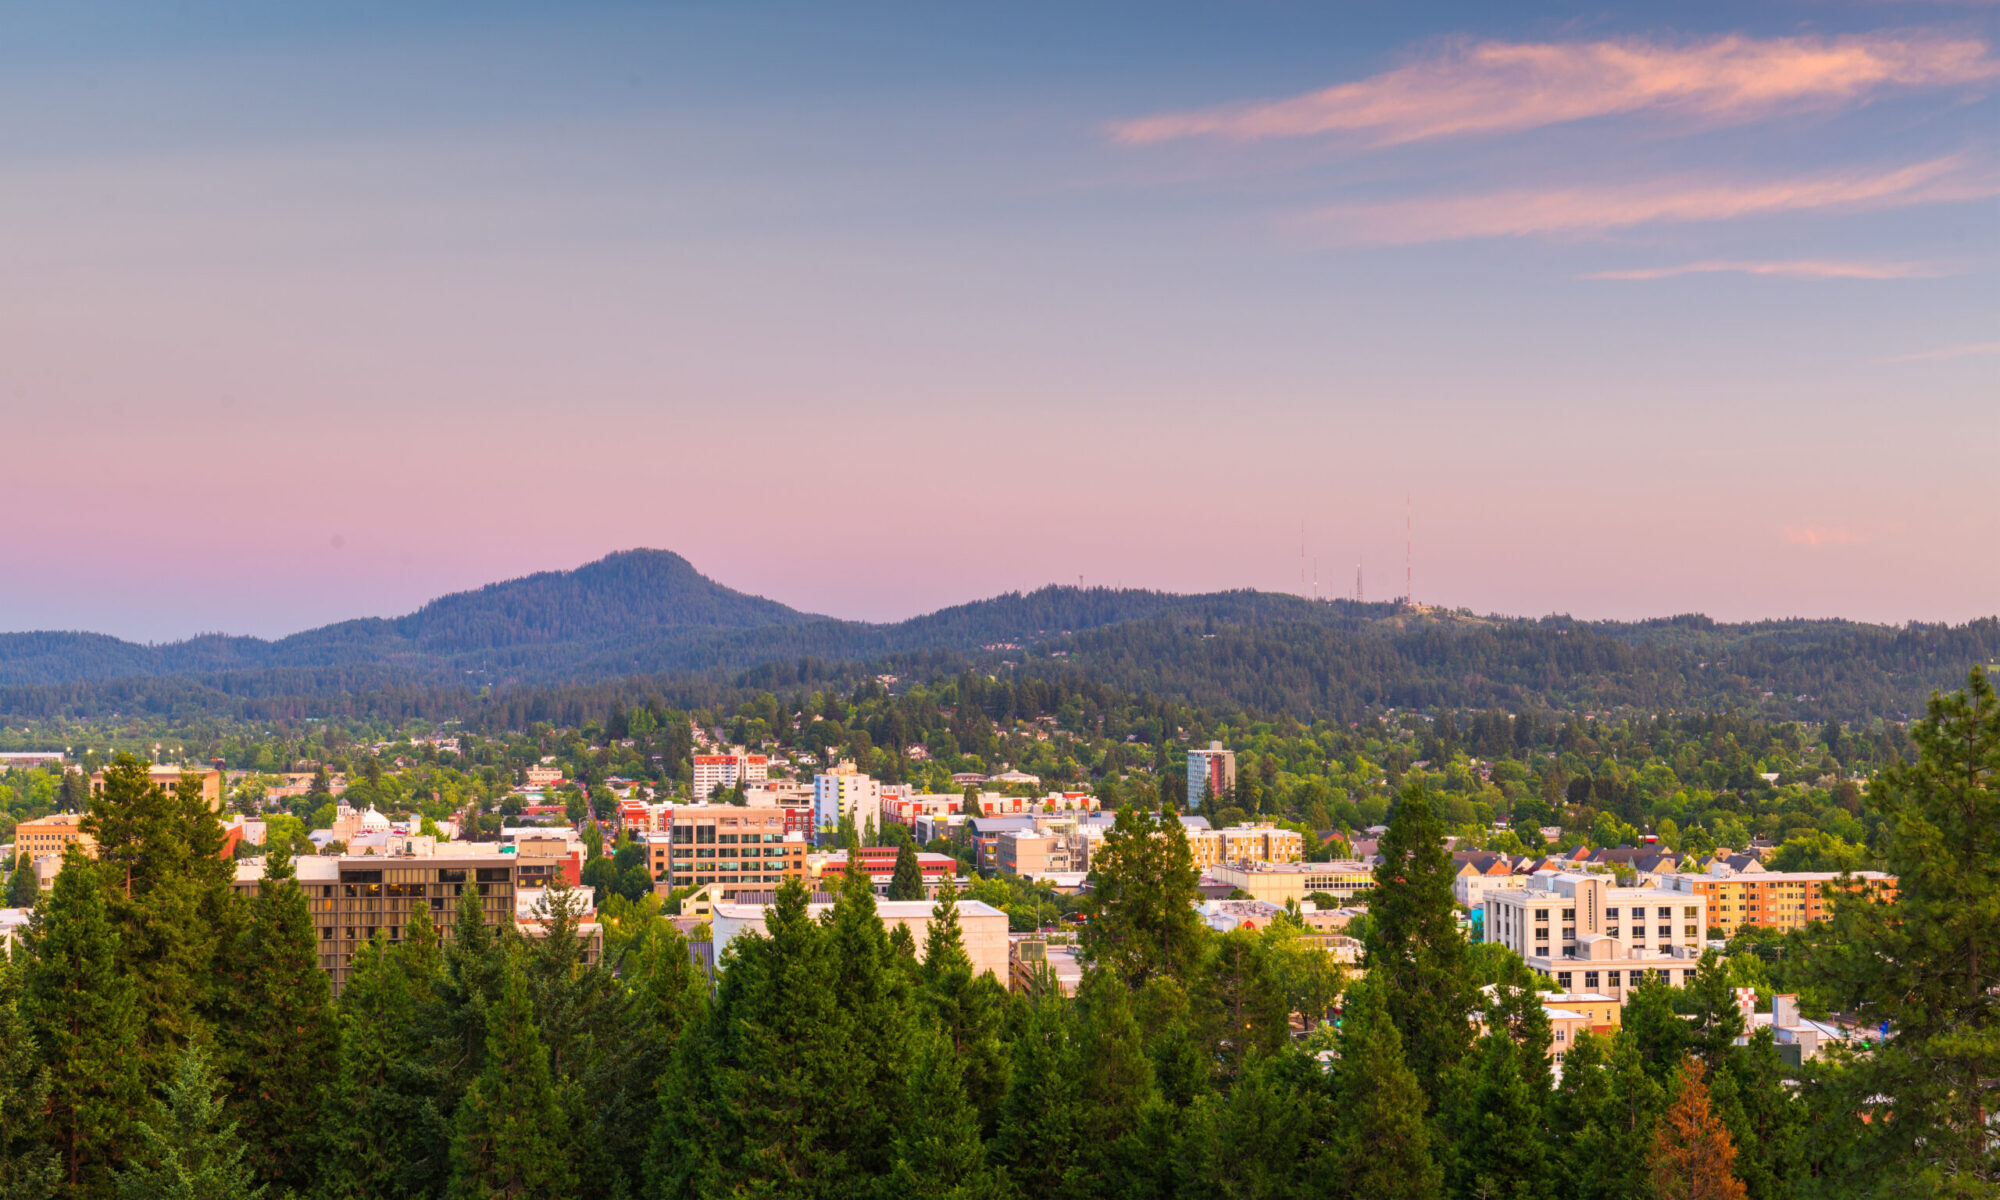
648, 614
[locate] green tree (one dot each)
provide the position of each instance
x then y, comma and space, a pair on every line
79, 1009
969, 1009
939, 1148
1382, 1138
512, 1134
1240, 1001
1494, 1108
287, 1036
908, 881
1141, 918
186, 1151
22, 885
1919, 1105
1041, 1139
29, 1169
1414, 947
1601, 1120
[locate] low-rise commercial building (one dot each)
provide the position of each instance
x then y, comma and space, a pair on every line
52, 835
168, 777
1278, 882
982, 927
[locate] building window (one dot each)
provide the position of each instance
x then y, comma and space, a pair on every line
1541, 952
1612, 978
1666, 933
1691, 913
1611, 914
1590, 981
1562, 980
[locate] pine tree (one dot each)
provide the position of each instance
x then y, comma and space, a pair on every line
1494, 1112
1382, 1138
1041, 1140
78, 1007
1142, 921
1267, 1138
908, 881
1693, 1158
1414, 947
968, 1008
469, 986
28, 1168
287, 1037
865, 1096
512, 1135
668, 995
23, 886
1924, 964
1601, 1120
186, 1152
1241, 1001
386, 1134
939, 1149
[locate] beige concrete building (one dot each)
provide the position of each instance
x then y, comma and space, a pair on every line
169, 777
1033, 854
1590, 936
983, 927
1277, 882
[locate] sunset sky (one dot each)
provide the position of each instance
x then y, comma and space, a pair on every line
311, 311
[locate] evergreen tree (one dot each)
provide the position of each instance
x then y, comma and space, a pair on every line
1041, 1140
908, 881
1142, 922
512, 1135
287, 1037
1267, 1139
968, 1008
1493, 1109
29, 1169
1693, 1158
668, 995
79, 1009
186, 1152
1924, 964
1414, 946
1602, 1119
386, 1134
1382, 1143
23, 886
864, 1097
939, 1149
1241, 1001
469, 985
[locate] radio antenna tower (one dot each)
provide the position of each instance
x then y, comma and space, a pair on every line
1302, 557
1409, 592
1360, 596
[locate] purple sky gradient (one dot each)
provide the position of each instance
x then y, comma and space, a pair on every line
877, 311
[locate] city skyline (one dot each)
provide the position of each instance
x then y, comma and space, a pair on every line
324, 313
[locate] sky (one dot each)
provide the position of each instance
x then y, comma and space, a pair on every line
314, 311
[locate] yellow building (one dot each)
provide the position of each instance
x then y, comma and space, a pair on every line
1750, 895
1278, 882
169, 777
1244, 843
50, 836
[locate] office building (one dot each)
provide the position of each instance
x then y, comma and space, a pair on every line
732, 847
982, 927
170, 777
52, 836
1591, 936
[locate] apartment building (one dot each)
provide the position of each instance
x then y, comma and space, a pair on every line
353, 897
843, 791
1743, 893
169, 777
1279, 882
1591, 936
727, 769
1259, 842
1213, 769
732, 847
52, 835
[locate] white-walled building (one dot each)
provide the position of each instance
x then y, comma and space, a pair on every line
982, 926
843, 791
1591, 936
727, 769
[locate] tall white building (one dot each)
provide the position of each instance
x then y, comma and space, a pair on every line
727, 769
1589, 935
843, 791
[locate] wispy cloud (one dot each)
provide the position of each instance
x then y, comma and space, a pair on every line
1576, 210
1503, 87
1964, 350
1797, 268
1815, 536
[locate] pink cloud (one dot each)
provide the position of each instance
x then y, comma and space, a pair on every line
1561, 210
1807, 268
1815, 536
1501, 87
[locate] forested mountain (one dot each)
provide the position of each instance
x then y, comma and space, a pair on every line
648, 614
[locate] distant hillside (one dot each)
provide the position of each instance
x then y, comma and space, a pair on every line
648, 614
